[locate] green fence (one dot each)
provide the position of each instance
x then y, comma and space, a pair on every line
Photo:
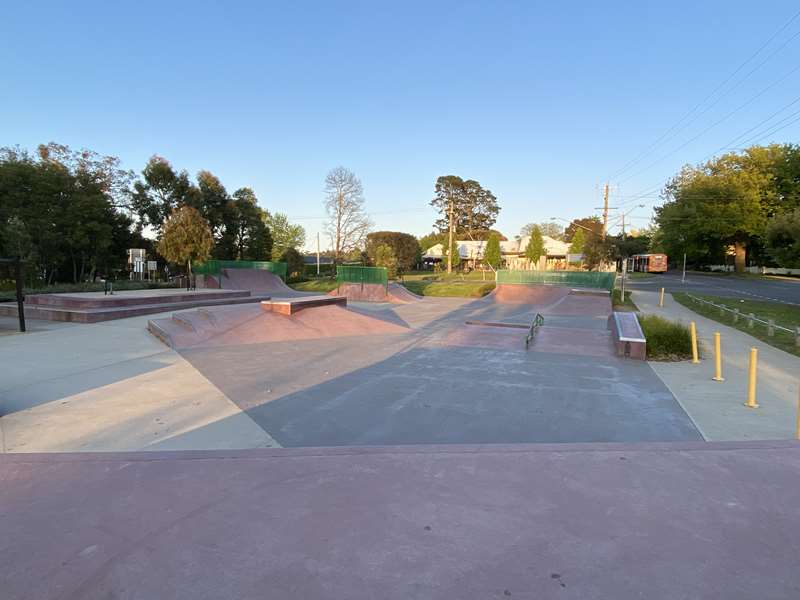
345, 274
583, 279
213, 267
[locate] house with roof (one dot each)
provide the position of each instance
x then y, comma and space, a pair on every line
512, 252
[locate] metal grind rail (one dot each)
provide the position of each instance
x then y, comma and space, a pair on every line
750, 317
538, 321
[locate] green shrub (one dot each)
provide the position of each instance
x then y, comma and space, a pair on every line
666, 340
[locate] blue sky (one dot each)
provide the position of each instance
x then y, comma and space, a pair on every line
539, 101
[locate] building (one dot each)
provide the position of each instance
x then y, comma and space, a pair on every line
512, 251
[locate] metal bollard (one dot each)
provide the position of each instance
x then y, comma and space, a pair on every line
661, 299
751, 384
735, 315
771, 327
750, 320
693, 330
717, 358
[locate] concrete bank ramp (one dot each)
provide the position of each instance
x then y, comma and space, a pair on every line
251, 324
376, 292
527, 294
257, 281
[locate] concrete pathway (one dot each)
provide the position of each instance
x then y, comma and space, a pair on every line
718, 408
567, 522
111, 386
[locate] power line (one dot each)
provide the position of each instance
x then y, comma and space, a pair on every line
663, 138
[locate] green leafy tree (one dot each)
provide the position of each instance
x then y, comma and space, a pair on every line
491, 254
589, 225
430, 240
535, 248
578, 242
243, 235
284, 234
294, 262
453, 255
548, 228
598, 251
783, 239
160, 190
404, 247
385, 257
185, 238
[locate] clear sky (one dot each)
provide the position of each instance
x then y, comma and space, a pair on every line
539, 101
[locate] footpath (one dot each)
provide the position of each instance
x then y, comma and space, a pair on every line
717, 408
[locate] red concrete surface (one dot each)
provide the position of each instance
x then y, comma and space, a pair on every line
487, 336
250, 324
400, 294
677, 521
582, 305
527, 294
362, 292
257, 281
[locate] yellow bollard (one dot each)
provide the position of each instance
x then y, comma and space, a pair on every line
751, 384
661, 299
693, 329
717, 359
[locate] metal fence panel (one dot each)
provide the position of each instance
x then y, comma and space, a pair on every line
583, 279
213, 267
349, 274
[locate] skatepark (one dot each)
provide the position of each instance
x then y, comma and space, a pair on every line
405, 446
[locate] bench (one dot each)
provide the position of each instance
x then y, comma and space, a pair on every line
629, 339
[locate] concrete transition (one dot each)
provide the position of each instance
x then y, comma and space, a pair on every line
252, 324
257, 281
376, 292
621, 521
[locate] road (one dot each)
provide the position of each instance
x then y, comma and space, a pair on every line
786, 291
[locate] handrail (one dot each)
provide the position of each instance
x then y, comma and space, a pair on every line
538, 321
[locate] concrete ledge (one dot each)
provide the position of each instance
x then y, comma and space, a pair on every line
628, 336
290, 306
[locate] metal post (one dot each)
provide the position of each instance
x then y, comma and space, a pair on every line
717, 358
751, 384
735, 315
683, 275
661, 299
771, 327
751, 320
20, 294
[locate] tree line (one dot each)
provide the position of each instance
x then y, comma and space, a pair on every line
72, 215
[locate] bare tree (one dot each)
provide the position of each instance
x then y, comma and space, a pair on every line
347, 223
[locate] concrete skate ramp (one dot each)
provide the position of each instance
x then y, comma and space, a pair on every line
552, 522
258, 281
400, 294
250, 324
528, 294
581, 304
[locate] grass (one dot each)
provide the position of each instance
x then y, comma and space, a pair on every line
666, 340
449, 288
487, 276
67, 288
638, 275
783, 314
323, 285
619, 305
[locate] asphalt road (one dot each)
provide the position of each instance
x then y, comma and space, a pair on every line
786, 291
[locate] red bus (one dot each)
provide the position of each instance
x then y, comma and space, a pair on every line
648, 263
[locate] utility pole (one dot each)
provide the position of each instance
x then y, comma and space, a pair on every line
450, 240
605, 210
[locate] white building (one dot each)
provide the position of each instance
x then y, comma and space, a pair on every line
512, 251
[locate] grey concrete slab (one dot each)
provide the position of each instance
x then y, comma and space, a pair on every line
655, 521
363, 392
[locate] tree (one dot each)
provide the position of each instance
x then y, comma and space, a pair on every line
348, 223
783, 239
294, 262
535, 248
185, 237
430, 240
404, 247
284, 234
548, 228
453, 255
244, 235
578, 242
492, 255
160, 191
589, 225
598, 251
385, 257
